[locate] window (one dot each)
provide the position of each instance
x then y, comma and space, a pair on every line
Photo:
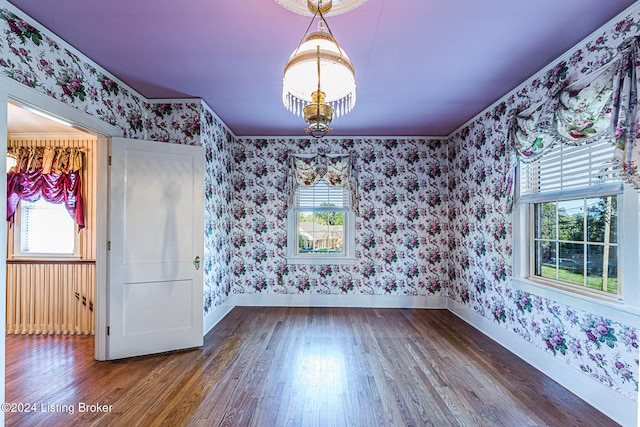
44, 229
321, 225
572, 219
575, 242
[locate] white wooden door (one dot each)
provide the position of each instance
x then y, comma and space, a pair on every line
156, 237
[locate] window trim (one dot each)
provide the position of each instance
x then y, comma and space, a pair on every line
597, 190
348, 255
601, 190
628, 246
17, 244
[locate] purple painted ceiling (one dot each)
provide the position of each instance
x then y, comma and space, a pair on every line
423, 68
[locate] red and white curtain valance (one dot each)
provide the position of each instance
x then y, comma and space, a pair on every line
53, 173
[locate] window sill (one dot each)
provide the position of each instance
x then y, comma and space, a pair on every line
577, 290
50, 261
321, 260
45, 257
611, 308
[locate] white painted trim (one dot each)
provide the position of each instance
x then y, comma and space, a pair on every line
629, 244
152, 101
611, 403
216, 315
361, 301
28, 96
624, 308
52, 136
3, 237
102, 258
336, 137
320, 260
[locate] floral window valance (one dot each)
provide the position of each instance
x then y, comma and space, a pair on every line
335, 169
601, 105
53, 173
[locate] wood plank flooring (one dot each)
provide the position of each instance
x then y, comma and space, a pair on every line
272, 367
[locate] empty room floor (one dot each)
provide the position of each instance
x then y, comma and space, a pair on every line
271, 366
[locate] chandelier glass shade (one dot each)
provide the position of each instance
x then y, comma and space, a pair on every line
319, 79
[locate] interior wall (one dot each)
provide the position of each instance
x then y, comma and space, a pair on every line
401, 244
482, 235
217, 141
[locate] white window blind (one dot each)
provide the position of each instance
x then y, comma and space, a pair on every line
46, 228
321, 226
566, 169
322, 194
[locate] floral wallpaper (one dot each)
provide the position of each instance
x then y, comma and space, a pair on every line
32, 57
218, 220
481, 234
434, 214
400, 233
37, 59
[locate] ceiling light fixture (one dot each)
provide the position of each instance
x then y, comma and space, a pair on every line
319, 78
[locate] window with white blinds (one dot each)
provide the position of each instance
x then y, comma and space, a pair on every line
571, 198
321, 226
567, 169
44, 229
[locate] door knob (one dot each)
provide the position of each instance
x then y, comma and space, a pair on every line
196, 263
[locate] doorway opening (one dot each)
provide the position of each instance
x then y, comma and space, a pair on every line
51, 291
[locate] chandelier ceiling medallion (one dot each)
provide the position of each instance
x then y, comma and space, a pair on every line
301, 7
319, 79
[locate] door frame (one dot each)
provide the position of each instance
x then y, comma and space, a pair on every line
11, 90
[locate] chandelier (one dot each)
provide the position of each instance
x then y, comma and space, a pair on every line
319, 80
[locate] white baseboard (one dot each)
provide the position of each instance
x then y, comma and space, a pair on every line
611, 403
217, 314
280, 300
364, 301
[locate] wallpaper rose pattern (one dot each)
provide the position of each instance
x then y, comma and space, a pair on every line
218, 220
434, 214
481, 234
400, 234
38, 60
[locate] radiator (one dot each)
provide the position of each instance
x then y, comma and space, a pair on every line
51, 298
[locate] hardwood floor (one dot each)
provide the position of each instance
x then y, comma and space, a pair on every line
296, 367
